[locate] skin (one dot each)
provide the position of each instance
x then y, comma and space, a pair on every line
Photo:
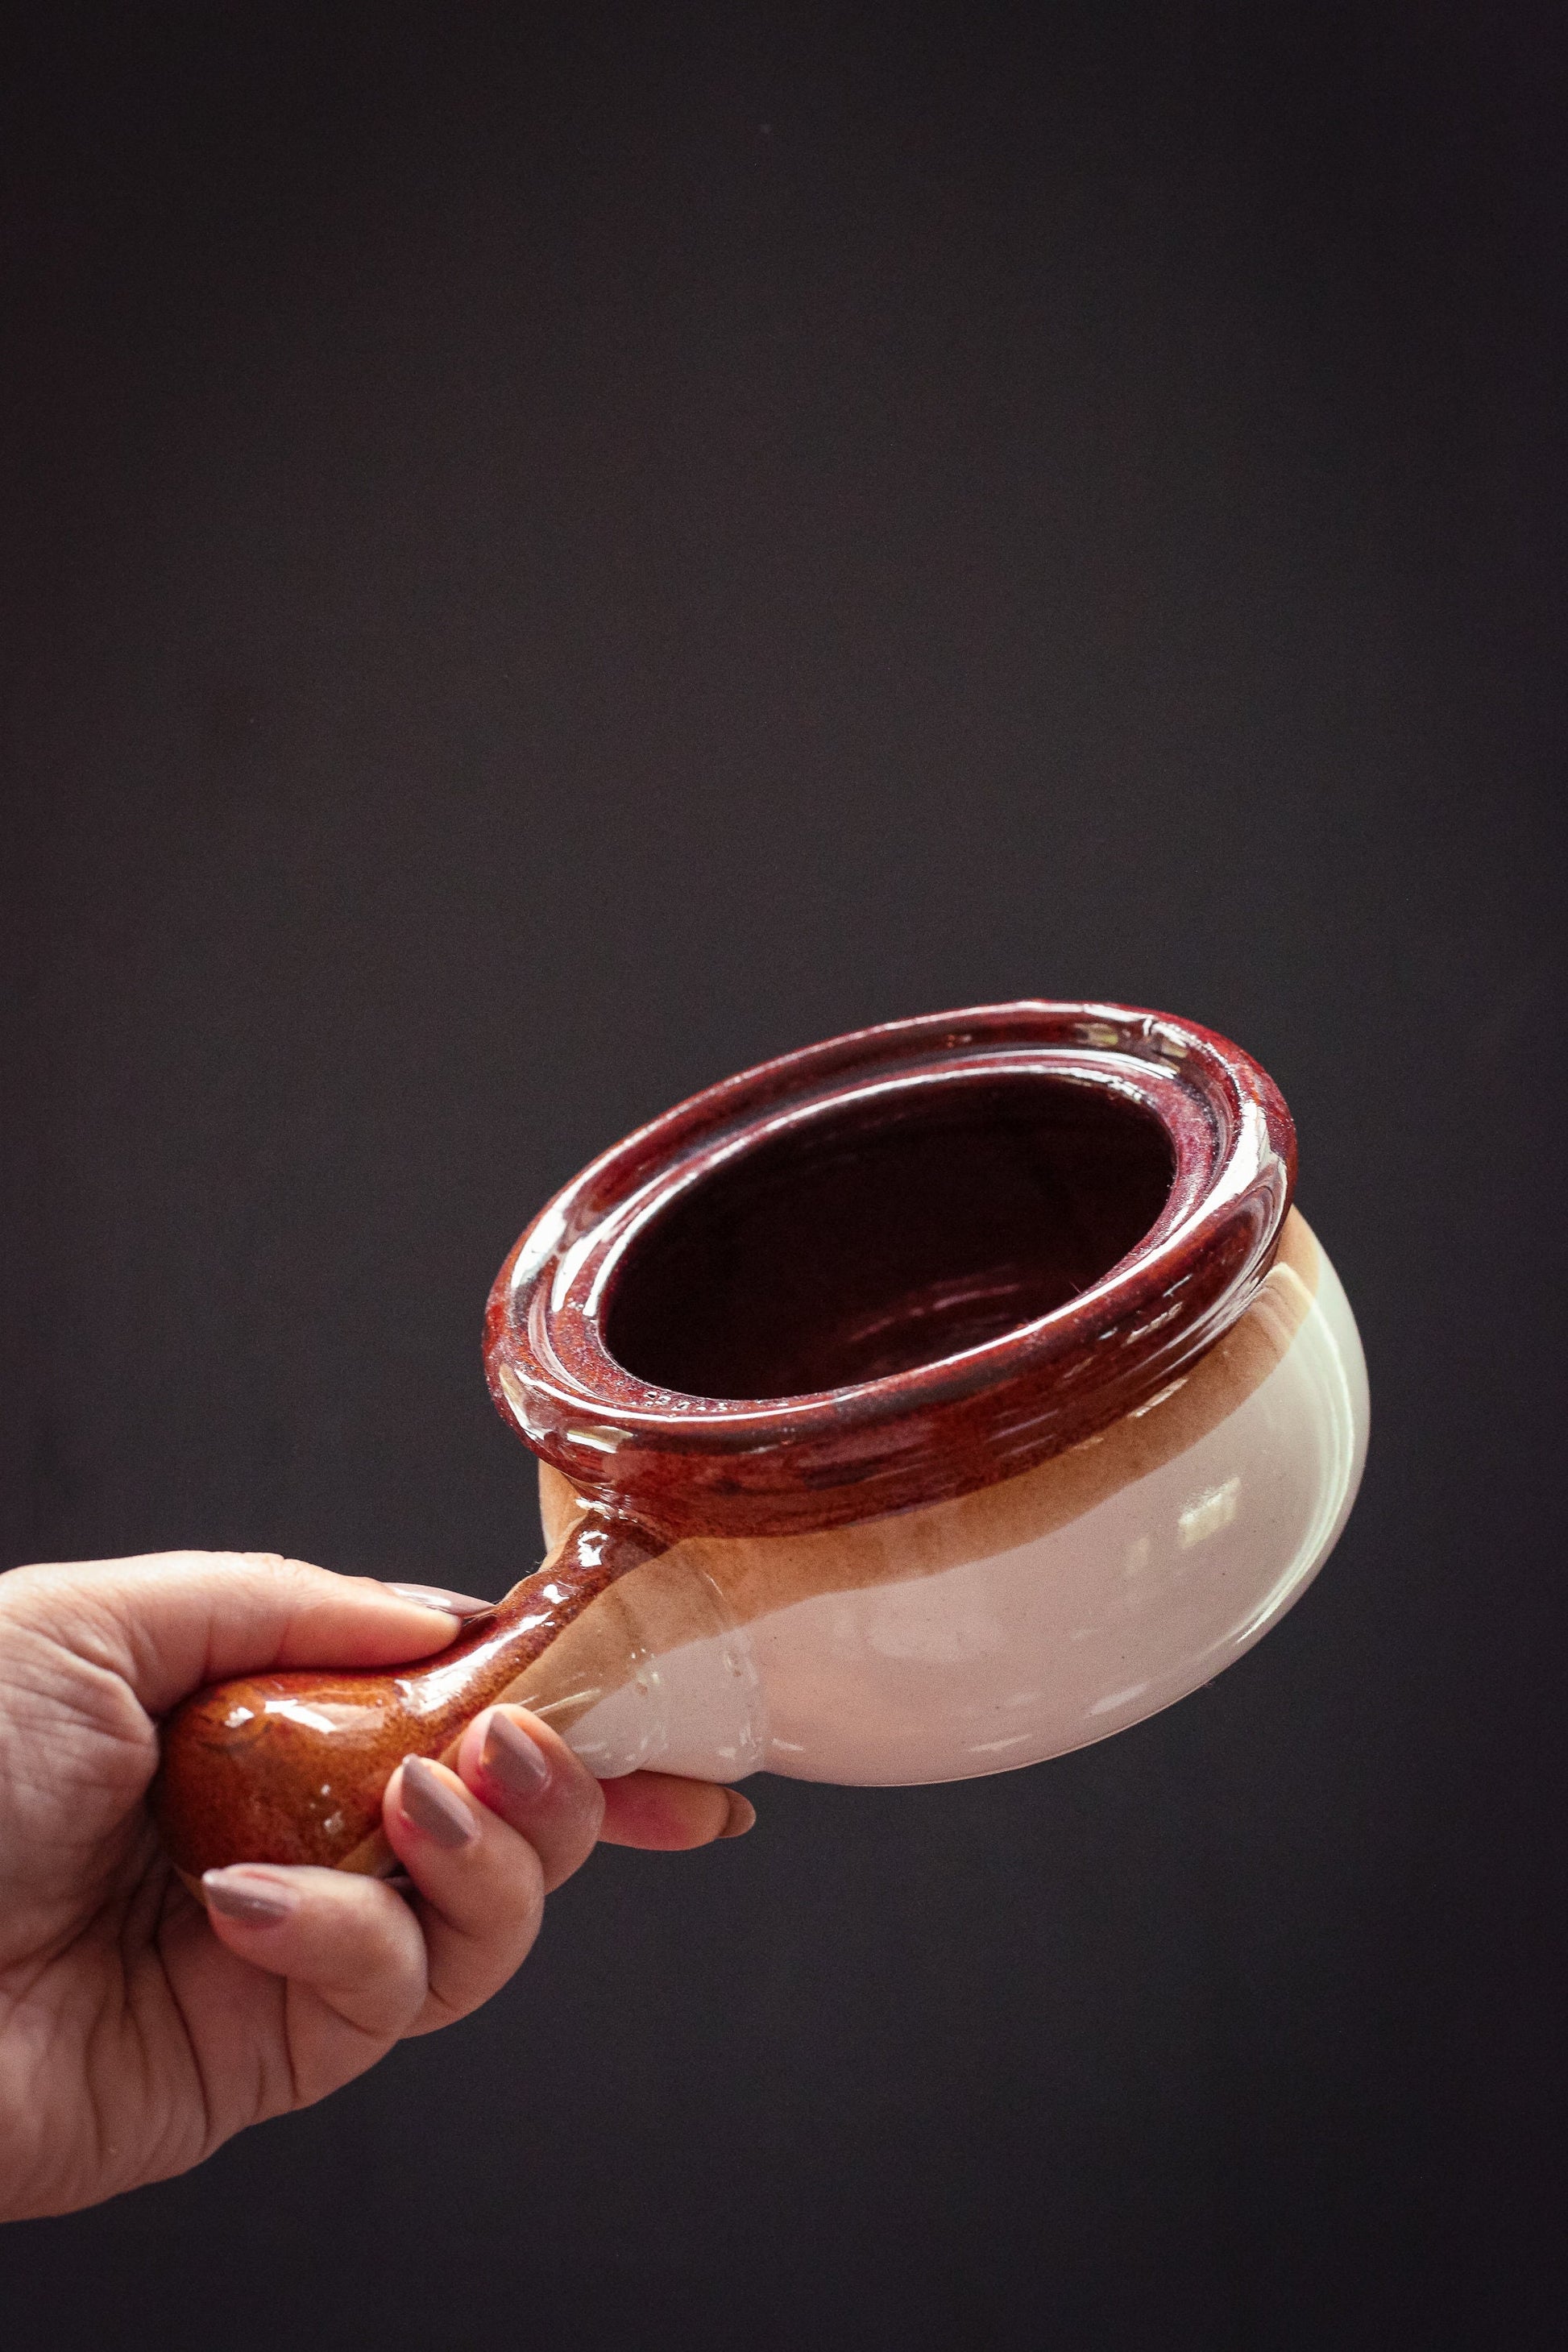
138, 2031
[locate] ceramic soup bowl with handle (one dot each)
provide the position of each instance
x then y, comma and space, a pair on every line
926, 1402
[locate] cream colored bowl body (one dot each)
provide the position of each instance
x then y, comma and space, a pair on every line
1017, 1622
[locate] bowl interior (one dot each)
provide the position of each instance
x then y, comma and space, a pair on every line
891, 1229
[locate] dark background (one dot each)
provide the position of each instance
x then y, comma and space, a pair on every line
552, 554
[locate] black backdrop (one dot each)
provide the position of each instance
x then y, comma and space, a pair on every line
552, 554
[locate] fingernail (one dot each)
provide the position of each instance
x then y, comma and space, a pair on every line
434, 1806
434, 1596
513, 1759
742, 1813
245, 1894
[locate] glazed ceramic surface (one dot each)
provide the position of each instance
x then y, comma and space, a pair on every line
923, 1404
1010, 1625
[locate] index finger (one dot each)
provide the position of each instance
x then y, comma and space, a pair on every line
169, 1622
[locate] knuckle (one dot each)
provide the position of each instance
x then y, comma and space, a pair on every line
514, 1900
579, 1798
298, 1574
524, 1880
377, 1979
489, 1889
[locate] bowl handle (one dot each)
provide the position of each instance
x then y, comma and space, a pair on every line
288, 1768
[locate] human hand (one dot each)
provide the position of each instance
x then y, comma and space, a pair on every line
138, 2031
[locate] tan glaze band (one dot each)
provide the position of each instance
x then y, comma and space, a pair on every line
667, 1601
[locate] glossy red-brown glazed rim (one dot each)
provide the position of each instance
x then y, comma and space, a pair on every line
685, 1465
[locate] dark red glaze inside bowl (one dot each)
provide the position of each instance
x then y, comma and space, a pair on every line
886, 1231
893, 1268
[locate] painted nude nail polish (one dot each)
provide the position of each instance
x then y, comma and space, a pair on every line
434, 1596
255, 1900
513, 1759
434, 1806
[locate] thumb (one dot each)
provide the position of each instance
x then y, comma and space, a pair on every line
169, 1622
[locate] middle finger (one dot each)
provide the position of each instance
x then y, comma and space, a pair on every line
479, 1887
526, 1773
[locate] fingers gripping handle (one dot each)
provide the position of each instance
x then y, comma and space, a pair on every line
291, 1768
